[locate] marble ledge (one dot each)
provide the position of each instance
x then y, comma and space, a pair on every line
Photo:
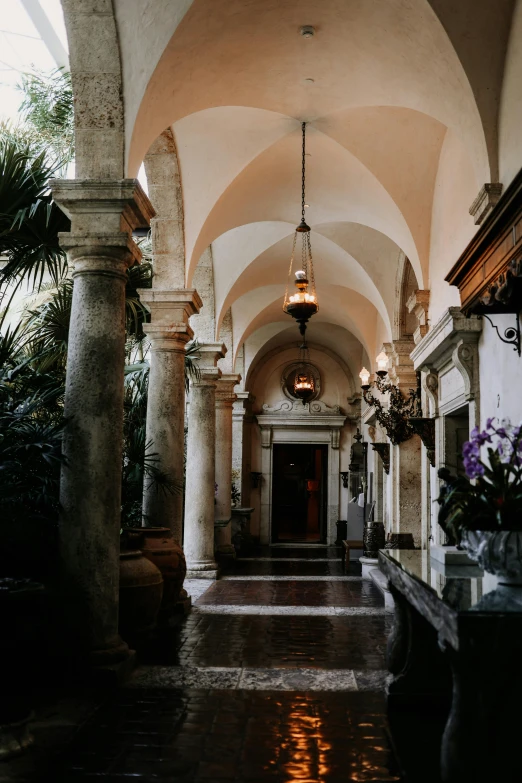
268, 578
236, 678
312, 611
288, 560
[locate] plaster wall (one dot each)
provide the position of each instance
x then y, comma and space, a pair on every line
500, 372
452, 226
510, 118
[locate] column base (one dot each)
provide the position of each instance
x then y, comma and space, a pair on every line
226, 552
368, 564
202, 574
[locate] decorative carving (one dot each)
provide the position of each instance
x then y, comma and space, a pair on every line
425, 427
431, 385
344, 478
395, 418
383, 450
295, 407
465, 358
334, 438
372, 432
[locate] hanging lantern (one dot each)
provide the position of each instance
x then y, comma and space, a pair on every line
302, 304
304, 382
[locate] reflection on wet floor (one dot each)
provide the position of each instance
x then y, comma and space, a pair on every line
254, 697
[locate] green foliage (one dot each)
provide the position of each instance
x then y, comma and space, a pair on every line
29, 220
48, 111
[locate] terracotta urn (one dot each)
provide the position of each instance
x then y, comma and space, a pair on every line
141, 591
159, 546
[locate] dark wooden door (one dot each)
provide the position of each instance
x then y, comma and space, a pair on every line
299, 479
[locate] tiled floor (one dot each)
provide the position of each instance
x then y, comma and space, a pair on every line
288, 690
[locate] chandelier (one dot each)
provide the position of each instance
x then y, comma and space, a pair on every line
304, 382
302, 304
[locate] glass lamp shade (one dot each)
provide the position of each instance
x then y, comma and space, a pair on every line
364, 375
304, 385
303, 304
382, 363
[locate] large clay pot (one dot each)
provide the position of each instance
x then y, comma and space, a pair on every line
160, 548
141, 591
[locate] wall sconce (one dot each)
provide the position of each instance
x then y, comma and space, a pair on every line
256, 479
395, 418
425, 427
383, 450
344, 478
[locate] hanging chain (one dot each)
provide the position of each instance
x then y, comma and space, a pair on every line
290, 269
303, 126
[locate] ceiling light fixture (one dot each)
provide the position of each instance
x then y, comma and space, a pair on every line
307, 31
303, 304
304, 383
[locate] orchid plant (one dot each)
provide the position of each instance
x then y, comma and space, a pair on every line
490, 498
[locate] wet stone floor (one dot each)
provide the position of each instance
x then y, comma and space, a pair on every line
276, 675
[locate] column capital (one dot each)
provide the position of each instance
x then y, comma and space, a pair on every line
170, 307
168, 337
207, 359
103, 214
225, 388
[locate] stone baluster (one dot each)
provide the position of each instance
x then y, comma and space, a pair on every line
201, 465
225, 398
100, 249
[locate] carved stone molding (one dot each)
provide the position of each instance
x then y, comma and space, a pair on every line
296, 408
431, 386
488, 197
266, 437
383, 450
418, 304
465, 357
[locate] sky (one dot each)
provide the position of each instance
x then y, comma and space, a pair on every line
22, 49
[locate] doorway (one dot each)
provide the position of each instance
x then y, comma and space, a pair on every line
299, 497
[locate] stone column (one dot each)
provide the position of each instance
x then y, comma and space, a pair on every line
201, 466
100, 248
241, 446
168, 332
225, 398
406, 458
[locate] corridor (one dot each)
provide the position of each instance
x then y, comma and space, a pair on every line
276, 675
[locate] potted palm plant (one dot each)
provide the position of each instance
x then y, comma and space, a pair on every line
483, 512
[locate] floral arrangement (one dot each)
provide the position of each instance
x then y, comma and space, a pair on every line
490, 496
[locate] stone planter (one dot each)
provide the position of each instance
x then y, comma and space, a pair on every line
141, 591
159, 546
498, 552
374, 538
